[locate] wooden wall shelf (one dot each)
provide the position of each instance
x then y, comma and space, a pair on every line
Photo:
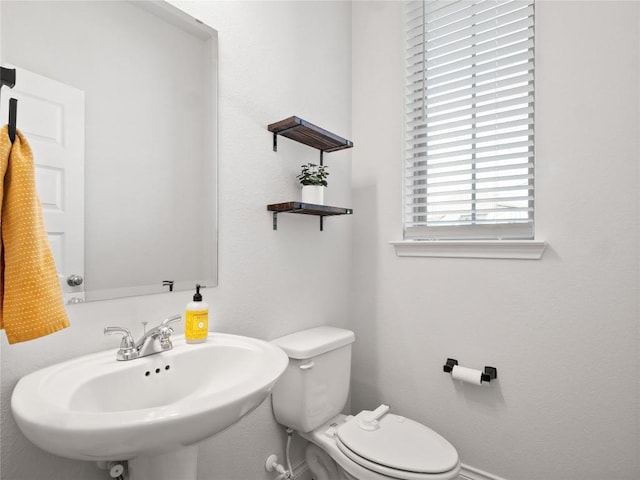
309, 134
306, 209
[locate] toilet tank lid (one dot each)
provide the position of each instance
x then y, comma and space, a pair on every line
315, 341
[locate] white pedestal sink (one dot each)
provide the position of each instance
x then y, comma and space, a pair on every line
151, 410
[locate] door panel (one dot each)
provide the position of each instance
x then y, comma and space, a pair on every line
51, 116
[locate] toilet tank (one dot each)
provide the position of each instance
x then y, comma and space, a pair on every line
315, 386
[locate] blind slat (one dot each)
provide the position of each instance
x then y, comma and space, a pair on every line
416, 166
415, 63
466, 152
450, 141
479, 110
471, 100
469, 190
482, 212
419, 127
416, 98
479, 230
473, 70
506, 178
476, 170
435, 41
480, 79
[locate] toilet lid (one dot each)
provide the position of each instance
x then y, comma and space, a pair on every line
399, 443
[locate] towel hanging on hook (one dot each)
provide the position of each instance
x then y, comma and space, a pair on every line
13, 114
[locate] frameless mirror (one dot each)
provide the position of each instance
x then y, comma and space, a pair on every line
118, 101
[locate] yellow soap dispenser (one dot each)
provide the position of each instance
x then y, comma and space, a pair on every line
196, 325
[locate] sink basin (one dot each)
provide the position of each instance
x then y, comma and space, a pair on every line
97, 408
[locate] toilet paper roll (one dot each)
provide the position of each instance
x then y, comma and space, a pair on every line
468, 375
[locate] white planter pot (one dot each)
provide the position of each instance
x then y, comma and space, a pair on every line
313, 194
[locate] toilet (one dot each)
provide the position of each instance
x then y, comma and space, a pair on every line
374, 444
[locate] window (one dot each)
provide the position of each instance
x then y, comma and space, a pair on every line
469, 119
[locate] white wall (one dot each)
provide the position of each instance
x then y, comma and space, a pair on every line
562, 331
276, 59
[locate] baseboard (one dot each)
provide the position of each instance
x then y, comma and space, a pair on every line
471, 473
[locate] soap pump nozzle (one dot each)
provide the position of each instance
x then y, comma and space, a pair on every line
197, 297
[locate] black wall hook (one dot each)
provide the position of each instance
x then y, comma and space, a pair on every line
7, 77
13, 118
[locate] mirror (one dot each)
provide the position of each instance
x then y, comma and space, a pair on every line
123, 96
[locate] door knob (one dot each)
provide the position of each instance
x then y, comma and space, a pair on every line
74, 280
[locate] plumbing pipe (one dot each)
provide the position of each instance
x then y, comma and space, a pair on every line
272, 465
289, 435
116, 469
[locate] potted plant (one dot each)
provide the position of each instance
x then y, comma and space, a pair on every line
313, 179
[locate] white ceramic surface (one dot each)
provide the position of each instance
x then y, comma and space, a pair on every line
313, 194
96, 408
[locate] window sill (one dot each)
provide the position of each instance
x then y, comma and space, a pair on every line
502, 249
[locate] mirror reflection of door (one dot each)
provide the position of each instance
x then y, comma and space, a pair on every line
51, 116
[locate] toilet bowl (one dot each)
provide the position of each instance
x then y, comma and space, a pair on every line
372, 445
322, 465
433, 455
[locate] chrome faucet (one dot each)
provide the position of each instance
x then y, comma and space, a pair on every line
156, 340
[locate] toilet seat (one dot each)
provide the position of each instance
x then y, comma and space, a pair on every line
397, 447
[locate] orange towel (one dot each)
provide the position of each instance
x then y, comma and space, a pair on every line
30, 292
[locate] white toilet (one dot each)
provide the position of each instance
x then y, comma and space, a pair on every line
372, 445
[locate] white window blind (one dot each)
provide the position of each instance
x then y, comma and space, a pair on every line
469, 119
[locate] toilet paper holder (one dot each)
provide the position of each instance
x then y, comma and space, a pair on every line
490, 373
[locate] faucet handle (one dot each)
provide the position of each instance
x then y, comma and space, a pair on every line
127, 345
166, 331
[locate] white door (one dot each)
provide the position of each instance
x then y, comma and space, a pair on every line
51, 116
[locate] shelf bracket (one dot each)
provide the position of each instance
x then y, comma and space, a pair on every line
321, 152
275, 142
275, 221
